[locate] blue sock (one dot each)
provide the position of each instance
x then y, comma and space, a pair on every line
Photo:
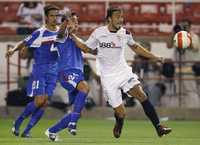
29, 109
74, 117
34, 119
79, 103
150, 112
63, 123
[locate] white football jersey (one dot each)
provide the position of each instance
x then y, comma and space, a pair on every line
110, 47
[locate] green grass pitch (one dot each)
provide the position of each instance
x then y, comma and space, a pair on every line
99, 132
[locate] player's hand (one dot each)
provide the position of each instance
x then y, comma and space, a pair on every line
9, 53
71, 29
158, 59
161, 59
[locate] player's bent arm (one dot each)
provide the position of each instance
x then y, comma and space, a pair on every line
18, 47
24, 52
81, 44
140, 50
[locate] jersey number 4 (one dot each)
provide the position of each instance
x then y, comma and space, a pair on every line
53, 49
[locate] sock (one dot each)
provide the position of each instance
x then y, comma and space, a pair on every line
150, 112
34, 119
63, 123
29, 109
119, 120
74, 117
79, 103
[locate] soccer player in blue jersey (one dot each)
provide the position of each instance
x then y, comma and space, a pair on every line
44, 74
70, 75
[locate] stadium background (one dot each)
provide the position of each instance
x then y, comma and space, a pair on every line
150, 21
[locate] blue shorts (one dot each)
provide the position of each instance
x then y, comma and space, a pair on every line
42, 80
69, 80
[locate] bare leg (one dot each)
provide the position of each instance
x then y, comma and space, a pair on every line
119, 113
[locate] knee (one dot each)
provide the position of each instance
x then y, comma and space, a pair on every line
83, 87
138, 93
41, 101
141, 98
120, 113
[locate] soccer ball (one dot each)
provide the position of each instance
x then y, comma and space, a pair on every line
182, 40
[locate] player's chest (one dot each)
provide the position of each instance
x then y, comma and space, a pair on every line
110, 42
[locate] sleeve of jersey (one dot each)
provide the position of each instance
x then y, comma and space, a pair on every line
92, 41
33, 40
130, 40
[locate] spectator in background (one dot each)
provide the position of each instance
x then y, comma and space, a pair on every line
192, 54
170, 43
31, 14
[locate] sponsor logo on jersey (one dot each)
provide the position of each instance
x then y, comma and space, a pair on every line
108, 45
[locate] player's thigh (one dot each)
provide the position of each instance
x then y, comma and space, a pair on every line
113, 96
41, 101
70, 79
138, 92
131, 85
129, 80
112, 91
36, 86
50, 81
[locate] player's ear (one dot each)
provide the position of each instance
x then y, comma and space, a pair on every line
109, 19
46, 18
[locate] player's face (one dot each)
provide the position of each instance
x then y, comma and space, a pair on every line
52, 17
73, 21
117, 19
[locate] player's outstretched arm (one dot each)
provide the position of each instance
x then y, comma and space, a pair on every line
63, 30
18, 47
81, 44
140, 50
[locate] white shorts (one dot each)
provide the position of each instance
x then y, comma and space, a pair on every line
113, 85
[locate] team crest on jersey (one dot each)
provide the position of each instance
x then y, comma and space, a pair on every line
108, 45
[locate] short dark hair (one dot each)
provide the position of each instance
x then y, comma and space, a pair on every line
74, 14
177, 28
50, 7
71, 14
111, 10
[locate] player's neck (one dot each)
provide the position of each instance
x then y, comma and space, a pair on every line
112, 29
51, 27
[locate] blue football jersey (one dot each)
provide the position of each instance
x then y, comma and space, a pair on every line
44, 74
41, 41
69, 55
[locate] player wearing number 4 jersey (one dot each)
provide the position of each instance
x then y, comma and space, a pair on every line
116, 75
44, 74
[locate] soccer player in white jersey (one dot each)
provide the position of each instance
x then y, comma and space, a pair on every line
110, 41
